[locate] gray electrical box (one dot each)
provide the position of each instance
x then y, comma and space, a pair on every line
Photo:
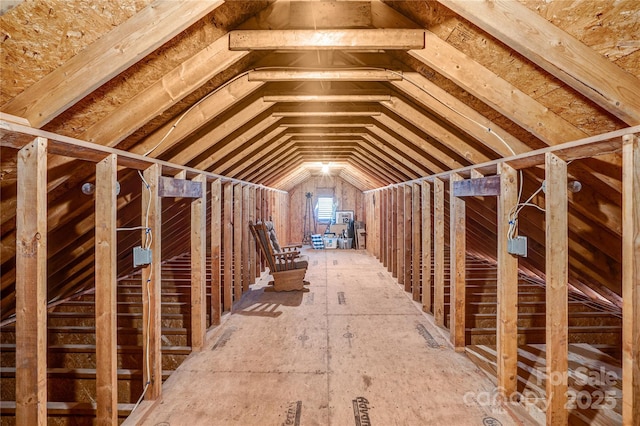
517, 246
141, 256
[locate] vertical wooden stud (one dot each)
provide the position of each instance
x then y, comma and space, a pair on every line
237, 242
556, 271
426, 247
227, 246
151, 283
395, 208
244, 227
216, 241
407, 236
507, 329
390, 228
252, 243
106, 291
383, 227
457, 246
199, 267
416, 239
630, 280
438, 252
31, 285
399, 264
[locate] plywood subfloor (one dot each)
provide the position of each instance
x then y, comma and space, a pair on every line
355, 345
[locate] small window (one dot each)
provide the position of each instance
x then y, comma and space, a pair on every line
324, 209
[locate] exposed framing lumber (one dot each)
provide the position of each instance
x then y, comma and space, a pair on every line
216, 241
179, 187
554, 50
237, 242
425, 246
557, 276
390, 227
438, 252
604, 143
199, 266
17, 136
174, 86
435, 129
519, 107
457, 247
106, 274
151, 284
31, 285
251, 242
333, 75
507, 315
631, 280
164, 138
101, 61
407, 235
332, 96
246, 270
326, 39
445, 105
477, 187
382, 200
214, 135
227, 246
416, 240
398, 239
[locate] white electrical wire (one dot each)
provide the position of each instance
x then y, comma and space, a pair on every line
184, 114
147, 245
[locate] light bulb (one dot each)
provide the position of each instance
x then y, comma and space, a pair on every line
88, 188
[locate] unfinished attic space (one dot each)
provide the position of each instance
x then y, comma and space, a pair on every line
320, 212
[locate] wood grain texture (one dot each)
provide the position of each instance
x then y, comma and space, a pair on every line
237, 242
562, 55
631, 280
31, 285
438, 251
321, 39
227, 245
244, 224
179, 187
216, 251
426, 246
199, 266
106, 270
457, 247
507, 319
106, 58
556, 289
407, 236
519, 107
151, 284
477, 187
416, 241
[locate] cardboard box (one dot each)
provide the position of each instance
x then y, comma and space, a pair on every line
337, 228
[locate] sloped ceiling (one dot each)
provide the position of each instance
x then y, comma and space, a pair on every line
384, 92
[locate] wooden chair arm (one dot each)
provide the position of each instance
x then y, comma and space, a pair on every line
291, 247
287, 254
